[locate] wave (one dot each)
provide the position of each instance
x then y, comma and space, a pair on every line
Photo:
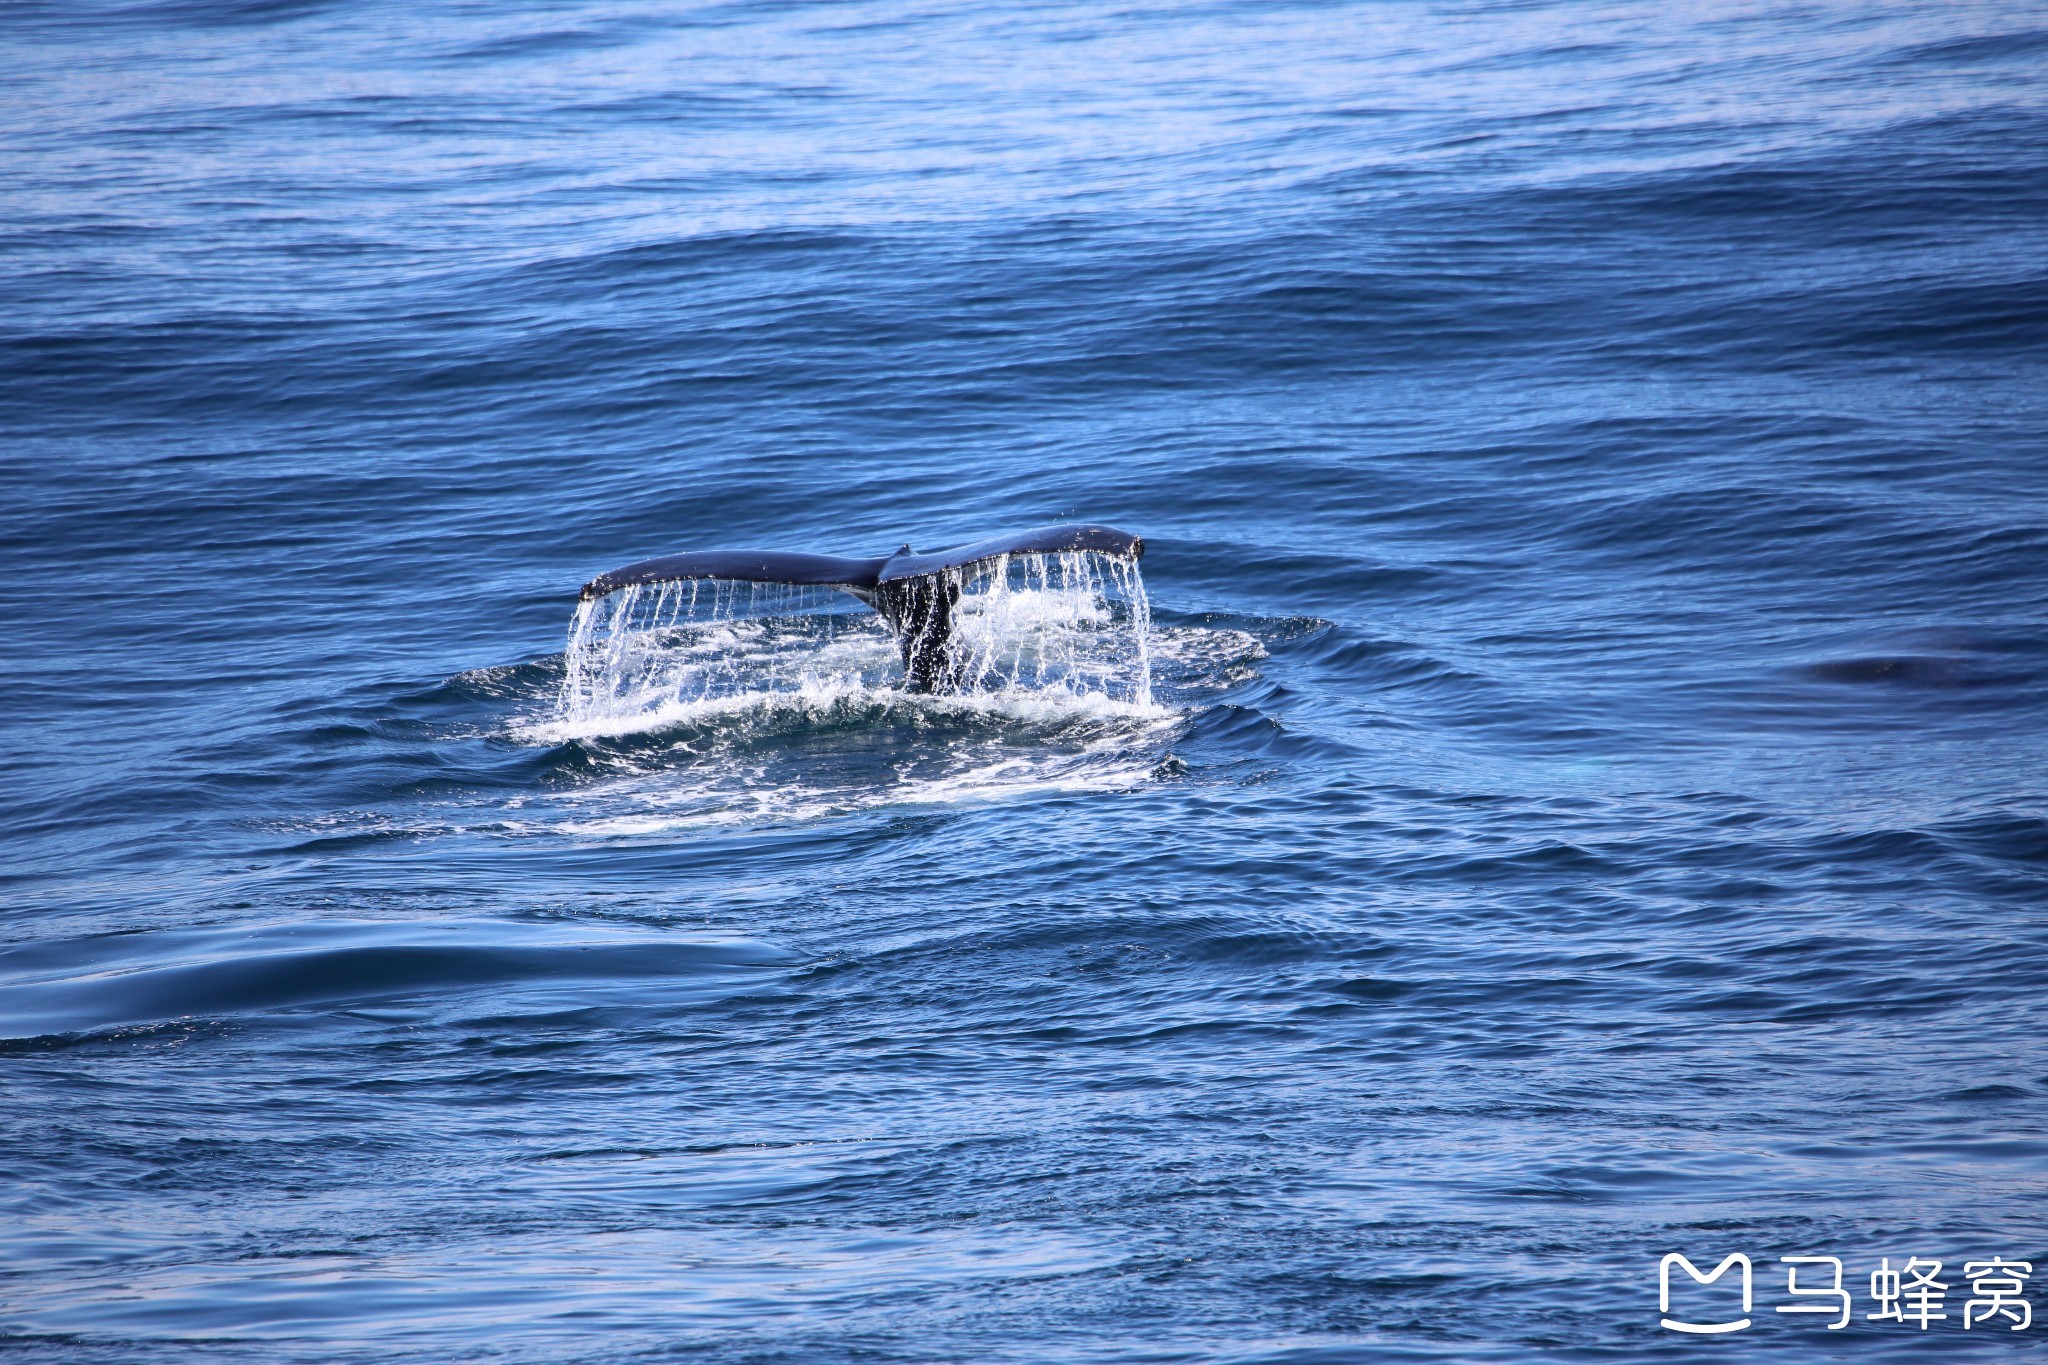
131, 980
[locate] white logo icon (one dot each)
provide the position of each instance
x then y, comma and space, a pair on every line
1664, 1291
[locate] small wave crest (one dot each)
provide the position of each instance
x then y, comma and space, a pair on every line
130, 980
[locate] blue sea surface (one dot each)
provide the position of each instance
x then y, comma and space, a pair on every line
1593, 802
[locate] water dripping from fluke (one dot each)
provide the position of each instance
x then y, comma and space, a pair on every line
1054, 617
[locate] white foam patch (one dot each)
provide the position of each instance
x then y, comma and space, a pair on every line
833, 698
683, 804
856, 751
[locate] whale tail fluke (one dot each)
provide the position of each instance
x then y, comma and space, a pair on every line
915, 593
857, 576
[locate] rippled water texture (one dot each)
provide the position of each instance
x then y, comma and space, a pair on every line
1589, 802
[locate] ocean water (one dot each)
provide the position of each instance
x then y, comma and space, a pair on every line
1588, 804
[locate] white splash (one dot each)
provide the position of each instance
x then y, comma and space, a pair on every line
714, 703
1062, 636
1074, 623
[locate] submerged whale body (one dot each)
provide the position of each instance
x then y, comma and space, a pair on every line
914, 592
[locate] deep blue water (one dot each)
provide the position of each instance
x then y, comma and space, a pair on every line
1594, 467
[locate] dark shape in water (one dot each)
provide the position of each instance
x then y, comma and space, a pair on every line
1924, 670
914, 592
